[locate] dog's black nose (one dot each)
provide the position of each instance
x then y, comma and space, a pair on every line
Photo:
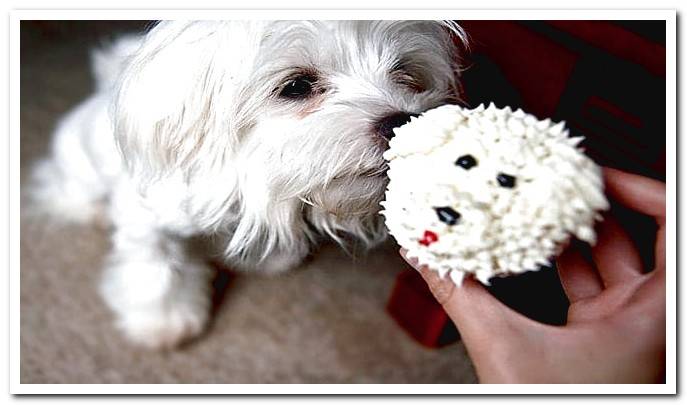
385, 126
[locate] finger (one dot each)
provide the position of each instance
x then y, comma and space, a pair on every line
443, 288
491, 332
650, 297
660, 251
471, 307
615, 255
640, 193
579, 278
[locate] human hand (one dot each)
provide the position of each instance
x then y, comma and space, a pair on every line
615, 332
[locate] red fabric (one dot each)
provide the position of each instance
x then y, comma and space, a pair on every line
619, 42
413, 306
612, 109
519, 53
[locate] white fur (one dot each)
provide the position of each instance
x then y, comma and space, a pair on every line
206, 147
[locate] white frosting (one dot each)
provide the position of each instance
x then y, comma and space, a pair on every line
557, 191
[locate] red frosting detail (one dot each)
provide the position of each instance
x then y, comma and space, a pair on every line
428, 238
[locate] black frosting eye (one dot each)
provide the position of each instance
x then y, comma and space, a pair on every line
467, 162
506, 180
447, 215
299, 87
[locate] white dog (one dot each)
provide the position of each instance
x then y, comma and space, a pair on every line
264, 136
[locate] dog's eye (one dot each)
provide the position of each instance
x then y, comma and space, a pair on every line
410, 81
299, 87
403, 74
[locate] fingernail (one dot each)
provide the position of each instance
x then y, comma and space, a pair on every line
442, 288
411, 261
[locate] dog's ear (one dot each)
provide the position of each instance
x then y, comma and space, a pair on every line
174, 99
439, 45
458, 47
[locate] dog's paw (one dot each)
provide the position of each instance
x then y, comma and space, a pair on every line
164, 327
156, 304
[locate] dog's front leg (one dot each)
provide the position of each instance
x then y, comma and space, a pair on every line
158, 289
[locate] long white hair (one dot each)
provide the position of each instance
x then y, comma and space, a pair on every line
200, 124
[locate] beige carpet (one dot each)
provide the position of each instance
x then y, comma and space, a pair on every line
324, 323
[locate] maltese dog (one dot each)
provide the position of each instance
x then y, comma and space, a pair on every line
258, 137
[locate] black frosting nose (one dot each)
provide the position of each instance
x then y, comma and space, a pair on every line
385, 126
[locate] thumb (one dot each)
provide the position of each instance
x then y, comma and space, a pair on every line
494, 335
471, 307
